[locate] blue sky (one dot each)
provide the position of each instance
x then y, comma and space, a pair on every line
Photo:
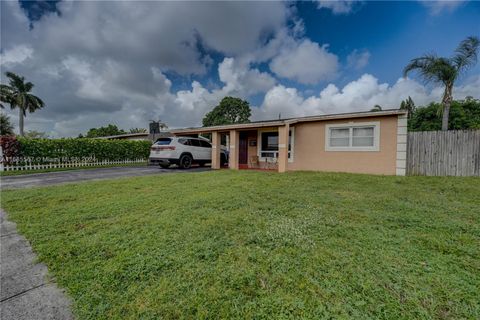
126, 63
393, 32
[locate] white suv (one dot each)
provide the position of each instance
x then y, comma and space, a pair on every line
183, 151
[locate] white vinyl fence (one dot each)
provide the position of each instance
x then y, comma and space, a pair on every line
20, 164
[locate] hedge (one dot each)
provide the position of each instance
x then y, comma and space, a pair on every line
71, 149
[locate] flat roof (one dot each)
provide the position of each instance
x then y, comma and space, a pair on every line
280, 122
125, 135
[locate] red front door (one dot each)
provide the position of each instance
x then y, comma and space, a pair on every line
243, 148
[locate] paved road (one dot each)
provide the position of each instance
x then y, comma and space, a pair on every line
61, 177
26, 293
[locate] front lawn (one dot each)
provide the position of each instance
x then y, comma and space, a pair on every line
257, 245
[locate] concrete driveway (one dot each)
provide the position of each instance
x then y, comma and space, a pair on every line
61, 177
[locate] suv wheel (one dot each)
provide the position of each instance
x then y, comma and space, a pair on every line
185, 161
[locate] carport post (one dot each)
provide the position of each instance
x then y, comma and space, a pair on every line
233, 156
283, 133
216, 150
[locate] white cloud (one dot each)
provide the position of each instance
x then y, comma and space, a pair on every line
102, 62
108, 93
163, 34
436, 7
239, 80
359, 95
337, 6
238, 77
358, 59
15, 55
470, 88
305, 62
110, 62
169, 35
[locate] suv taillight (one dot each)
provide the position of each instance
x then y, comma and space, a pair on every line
162, 148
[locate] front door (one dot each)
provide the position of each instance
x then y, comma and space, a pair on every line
243, 148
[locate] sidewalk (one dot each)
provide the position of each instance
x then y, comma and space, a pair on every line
25, 291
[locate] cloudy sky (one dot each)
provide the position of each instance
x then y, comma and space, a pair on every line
126, 63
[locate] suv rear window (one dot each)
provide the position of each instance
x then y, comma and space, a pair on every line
163, 141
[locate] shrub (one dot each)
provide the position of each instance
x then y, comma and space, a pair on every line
464, 115
10, 148
71, 149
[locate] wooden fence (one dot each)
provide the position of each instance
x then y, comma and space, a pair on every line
444, 153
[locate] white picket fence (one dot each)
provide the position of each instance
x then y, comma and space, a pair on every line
20, 165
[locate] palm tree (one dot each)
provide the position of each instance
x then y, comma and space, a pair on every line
376, 108
446, 70
162, 125
18, 95
409, 106
138, 130
6, 128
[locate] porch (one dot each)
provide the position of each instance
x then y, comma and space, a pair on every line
251, 148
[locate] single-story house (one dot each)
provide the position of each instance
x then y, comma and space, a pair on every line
138, 136
361, 142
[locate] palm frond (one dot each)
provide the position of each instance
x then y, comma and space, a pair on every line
15, 80
33, 103
27, 87
5, 94
432, 68
466, 54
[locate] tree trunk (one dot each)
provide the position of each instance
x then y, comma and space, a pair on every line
20, 122
446, 102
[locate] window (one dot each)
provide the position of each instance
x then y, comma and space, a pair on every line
353, 137
185, 142
363, 137
268, 147
270, 141
205, 144
163, 141
339, 137
195, 142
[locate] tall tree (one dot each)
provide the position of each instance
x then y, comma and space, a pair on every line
409, 106
18, 95
6, 127
230, 110
446, 70
464, 115
110, 130
137, 130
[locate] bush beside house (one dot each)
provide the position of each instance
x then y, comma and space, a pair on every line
70, 150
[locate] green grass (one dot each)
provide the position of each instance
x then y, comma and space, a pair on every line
257, 245
24, 172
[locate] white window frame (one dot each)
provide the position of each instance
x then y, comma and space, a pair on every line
275, 153
351, 125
